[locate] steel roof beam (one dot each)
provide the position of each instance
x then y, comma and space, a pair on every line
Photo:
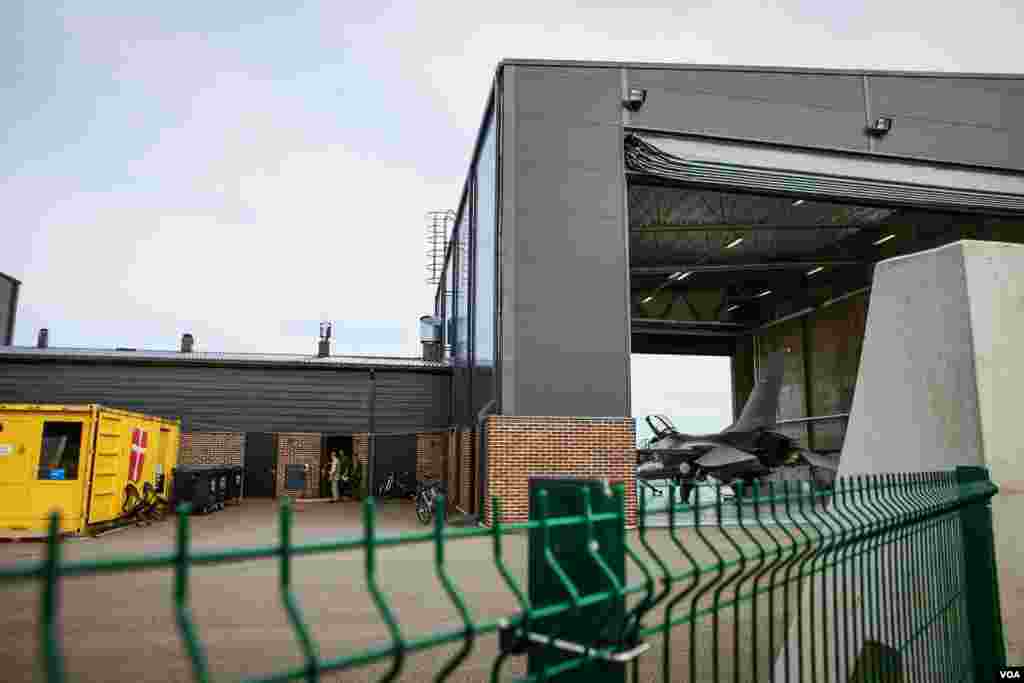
738, 267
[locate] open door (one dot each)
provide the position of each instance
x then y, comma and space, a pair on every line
260, 465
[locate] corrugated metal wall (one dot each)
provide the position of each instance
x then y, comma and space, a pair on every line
239, 399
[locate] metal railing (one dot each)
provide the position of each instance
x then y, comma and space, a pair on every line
881, 578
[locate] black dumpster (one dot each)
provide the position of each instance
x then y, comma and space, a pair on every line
235, 476
220, 476
195, 484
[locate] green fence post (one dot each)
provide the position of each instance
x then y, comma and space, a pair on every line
984, 617
574, 565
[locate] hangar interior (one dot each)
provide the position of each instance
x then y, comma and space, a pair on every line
720, 271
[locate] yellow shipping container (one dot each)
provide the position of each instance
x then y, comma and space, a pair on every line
86, 461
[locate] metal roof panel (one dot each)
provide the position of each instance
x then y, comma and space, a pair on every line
221, 358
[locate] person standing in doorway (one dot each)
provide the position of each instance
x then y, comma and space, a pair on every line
335, 476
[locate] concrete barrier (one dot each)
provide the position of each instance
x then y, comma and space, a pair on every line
939, 380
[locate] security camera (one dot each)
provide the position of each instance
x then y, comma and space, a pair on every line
635, 99
881, 126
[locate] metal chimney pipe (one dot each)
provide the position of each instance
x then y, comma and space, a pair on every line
430, 338
187, 342
324, 349
44, 338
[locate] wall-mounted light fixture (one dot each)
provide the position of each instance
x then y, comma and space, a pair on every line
634, 99
880, 126
815, 271
883, 240
732, 308
799, 202
734, 243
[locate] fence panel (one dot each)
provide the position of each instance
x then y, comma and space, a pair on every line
880, 578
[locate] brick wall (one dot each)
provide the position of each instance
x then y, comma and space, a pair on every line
211, 448
430, 450
467, 450
295, 448
519, 446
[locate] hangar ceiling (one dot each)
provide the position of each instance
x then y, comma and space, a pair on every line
707, 265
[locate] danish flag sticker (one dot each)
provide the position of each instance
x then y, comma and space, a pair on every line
139, 439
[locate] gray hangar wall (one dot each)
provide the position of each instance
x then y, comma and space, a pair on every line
565, 270
564, 248
244, 399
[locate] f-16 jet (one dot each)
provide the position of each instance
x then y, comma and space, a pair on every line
747, 451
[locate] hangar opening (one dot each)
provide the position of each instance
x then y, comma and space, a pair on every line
694, 392
742, 259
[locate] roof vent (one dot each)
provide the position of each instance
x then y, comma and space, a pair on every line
324, 348
44, 339
187, 341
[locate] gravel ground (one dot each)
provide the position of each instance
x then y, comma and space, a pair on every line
122, 626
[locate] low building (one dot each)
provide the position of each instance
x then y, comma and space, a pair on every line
272, 413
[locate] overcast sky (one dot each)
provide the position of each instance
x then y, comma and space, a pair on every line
241, 170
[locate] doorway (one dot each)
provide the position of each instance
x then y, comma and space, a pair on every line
393, 453
329, 444
260, 465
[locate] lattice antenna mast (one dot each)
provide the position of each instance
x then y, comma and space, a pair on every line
438, 228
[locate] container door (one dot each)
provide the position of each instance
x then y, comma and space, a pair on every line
61, 455
162, 465
113, 440
19, 437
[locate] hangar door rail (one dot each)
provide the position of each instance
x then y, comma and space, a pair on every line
880, 578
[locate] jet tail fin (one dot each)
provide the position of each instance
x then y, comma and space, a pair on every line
762, 407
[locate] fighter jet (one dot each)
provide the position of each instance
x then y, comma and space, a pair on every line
745, 451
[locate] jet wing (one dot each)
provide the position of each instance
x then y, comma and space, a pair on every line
722, 455
762, 407
698, 446
828, 462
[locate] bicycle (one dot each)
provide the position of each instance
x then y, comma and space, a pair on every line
397, 486
426, 499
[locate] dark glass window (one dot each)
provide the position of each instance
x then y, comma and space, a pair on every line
61, 450
485, 246
460, 347
449, 303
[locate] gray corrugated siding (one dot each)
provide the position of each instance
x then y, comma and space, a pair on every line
238, 399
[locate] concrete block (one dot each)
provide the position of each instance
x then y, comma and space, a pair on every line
941, 368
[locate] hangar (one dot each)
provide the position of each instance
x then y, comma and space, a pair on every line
616, 208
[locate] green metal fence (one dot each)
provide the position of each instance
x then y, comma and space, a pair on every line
881, 578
